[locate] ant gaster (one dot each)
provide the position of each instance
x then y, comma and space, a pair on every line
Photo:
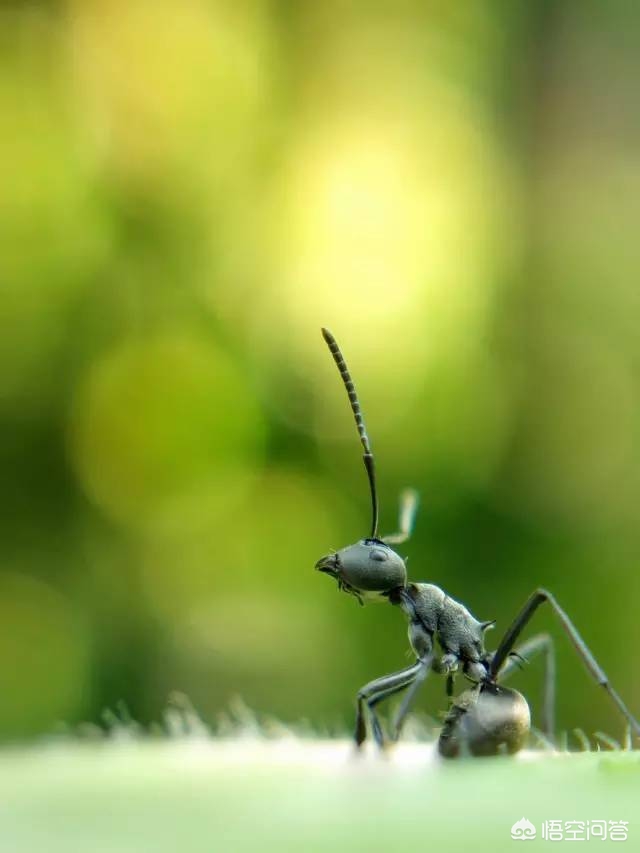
488, 718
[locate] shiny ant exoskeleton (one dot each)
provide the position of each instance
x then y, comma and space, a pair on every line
487, 718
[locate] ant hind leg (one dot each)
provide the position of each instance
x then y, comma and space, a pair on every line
541, 643
540, 596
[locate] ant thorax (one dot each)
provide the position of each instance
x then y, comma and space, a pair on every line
432, 614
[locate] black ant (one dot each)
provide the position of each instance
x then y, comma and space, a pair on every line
487, 718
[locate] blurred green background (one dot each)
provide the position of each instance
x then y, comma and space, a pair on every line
188, 191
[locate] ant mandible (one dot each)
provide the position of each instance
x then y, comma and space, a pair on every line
488, 718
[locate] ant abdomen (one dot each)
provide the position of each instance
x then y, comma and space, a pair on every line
487, 719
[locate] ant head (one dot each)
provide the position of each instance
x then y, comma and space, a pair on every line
369, 570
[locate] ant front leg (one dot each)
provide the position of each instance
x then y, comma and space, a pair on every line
541, 643
423, 667
373, 693
540, 596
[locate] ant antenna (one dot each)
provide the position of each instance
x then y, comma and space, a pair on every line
362, 432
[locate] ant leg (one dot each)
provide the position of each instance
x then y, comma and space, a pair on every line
527, 651
450, 686
406, 519
423, 668
523, 618
374, 692
375, 723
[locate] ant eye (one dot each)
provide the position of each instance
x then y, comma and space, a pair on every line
378, 554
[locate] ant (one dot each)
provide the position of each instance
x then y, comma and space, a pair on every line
487, 718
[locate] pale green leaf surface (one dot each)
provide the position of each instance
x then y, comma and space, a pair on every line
291, 794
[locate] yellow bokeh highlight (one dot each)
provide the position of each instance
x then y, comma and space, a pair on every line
166, 427
388, 235
168, 85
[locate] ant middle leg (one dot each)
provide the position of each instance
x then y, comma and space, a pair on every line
540, 596
541, 643
373, 693
450, 688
